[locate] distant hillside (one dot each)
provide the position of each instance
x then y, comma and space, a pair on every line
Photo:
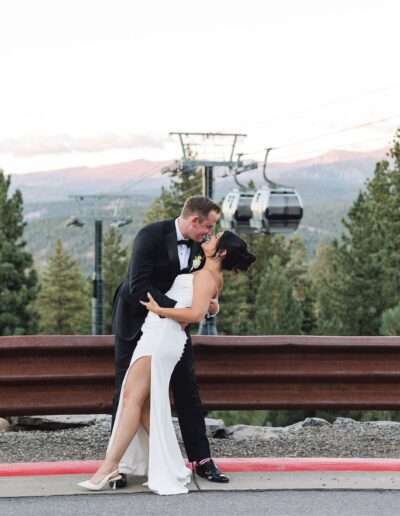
334, 174
327, 184
322, 222
136, 177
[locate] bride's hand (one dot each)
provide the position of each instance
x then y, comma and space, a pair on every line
151, 305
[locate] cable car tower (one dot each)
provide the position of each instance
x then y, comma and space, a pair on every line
90, 209
209, 151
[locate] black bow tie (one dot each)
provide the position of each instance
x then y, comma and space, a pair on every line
184, 242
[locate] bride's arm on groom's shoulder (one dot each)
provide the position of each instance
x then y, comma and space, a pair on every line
203, 288
141, 269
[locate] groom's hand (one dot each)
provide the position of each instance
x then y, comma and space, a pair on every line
151, 304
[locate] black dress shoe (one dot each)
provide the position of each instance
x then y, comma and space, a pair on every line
210, 471
122, 482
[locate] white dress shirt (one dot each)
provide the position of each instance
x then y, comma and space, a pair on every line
184, 255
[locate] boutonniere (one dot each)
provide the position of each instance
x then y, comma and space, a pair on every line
197, 261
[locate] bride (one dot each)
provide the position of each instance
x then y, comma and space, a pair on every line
143, 440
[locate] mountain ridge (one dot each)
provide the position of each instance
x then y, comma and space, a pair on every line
343, 168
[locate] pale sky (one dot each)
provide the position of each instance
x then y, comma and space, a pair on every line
90, 82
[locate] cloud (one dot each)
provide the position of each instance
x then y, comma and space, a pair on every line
36, 145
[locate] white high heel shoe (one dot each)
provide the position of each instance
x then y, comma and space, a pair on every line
96, 487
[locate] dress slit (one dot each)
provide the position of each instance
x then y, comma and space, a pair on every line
158, 455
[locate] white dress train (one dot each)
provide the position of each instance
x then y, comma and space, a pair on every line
158, 455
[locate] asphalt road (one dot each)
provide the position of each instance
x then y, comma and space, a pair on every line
276, 503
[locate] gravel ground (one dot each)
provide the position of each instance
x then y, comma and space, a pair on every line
342, 439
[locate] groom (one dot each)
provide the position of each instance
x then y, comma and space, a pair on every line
161, 251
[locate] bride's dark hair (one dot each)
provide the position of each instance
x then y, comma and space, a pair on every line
237, 257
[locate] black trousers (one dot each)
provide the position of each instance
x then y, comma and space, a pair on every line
186, 395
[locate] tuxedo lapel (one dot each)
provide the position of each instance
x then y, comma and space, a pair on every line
194, 251
172, 249
193, 248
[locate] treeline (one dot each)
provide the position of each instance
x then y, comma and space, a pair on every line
65, 296
54, 299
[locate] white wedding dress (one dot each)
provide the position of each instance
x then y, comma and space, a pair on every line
158, 455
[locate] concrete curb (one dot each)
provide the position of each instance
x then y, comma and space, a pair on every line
228, 465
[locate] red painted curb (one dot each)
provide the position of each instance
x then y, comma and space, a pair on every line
230, 465
27, 469
307, 464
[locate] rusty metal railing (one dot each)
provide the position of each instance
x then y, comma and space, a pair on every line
75, 374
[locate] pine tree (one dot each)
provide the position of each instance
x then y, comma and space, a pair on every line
367, 277
384, 189
327, 305
115, 265
297, 271
390, 324
18, 279
238, 297
236, 305
361, 275
64, 301
265, 248
277, 311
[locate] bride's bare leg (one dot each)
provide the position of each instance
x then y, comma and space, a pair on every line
136, 392
145, 416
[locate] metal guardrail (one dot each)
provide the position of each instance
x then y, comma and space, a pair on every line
75, 374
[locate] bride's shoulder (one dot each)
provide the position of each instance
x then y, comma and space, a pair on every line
202, 273
205, 275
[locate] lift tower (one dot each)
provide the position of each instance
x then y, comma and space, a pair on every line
98, 218
208, 151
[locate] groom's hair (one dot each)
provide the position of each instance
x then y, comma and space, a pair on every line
199, 205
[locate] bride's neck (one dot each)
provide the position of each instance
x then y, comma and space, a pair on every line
212, 265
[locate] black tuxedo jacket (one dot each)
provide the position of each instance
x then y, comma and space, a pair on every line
153, 268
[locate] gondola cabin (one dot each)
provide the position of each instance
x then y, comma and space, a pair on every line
276, 209
236, 211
